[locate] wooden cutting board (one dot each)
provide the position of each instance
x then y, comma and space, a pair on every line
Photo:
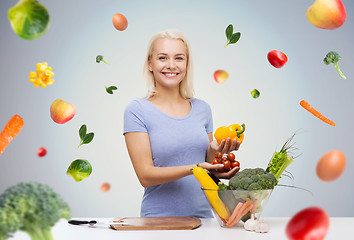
156, 223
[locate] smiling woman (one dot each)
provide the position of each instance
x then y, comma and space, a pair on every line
155, 133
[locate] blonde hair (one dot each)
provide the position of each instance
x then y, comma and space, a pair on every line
186, 86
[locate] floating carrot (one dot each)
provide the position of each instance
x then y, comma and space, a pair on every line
234, 214
10, 131
309, 108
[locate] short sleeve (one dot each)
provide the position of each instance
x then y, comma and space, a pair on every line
209, 123
134, 118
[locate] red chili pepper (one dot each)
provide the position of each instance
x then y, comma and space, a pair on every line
277, 58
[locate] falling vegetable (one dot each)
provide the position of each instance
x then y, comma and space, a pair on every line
232, 38
110, 89
41, 152
310, 223
120, 22
99, 58
331, 166
277, 58
255, 93
79, 169
105, 187
29, 19
309, 108
85, 138
333, 57
43, 75
10, 131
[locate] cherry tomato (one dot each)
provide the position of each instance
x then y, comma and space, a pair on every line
310, 223
235, 164
224, 159
277, 58
216, 161
41, 152
231, 156
227, 164
218, 155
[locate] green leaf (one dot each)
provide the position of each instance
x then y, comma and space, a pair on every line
108, 90
235, 37
88, 138
229, 30
82, 131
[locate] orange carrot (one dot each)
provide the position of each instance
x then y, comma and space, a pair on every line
309, 108
10, 131
253, 211
245, 209
239, 214
234, 213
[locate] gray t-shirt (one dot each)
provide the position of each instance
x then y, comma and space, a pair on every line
174, 142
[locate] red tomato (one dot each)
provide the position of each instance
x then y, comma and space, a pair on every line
218, 155
119, 22
310, 223
227, 164
235, 164
231, 156
216, 161
277, 58
224, 159
41, 152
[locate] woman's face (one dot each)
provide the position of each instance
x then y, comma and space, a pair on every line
168, 62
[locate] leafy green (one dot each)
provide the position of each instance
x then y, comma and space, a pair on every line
32, 208
281, 160
85, 138
29, 19
110, 89
232, 38
79, 169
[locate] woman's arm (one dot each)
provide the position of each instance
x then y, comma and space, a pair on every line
138, 145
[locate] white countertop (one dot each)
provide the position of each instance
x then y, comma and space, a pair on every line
340, 228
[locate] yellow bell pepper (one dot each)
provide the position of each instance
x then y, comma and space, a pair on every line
233, 131
208, 184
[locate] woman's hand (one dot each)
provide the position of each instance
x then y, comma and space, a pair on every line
218, 170
225, 146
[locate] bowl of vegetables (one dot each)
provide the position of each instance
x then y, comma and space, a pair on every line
246, 194
233, 206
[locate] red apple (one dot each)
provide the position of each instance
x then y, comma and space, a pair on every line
220, 76
61, 111
327, 14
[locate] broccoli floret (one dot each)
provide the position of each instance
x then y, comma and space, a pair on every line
333, 57
99, 58
253, 179
9, 222
33, 208
254, 186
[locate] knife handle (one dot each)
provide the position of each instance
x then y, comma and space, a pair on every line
78, 222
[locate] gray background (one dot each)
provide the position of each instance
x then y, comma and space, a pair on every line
80, 30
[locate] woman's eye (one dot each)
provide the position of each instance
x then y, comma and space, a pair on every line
162, 58
180, 58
